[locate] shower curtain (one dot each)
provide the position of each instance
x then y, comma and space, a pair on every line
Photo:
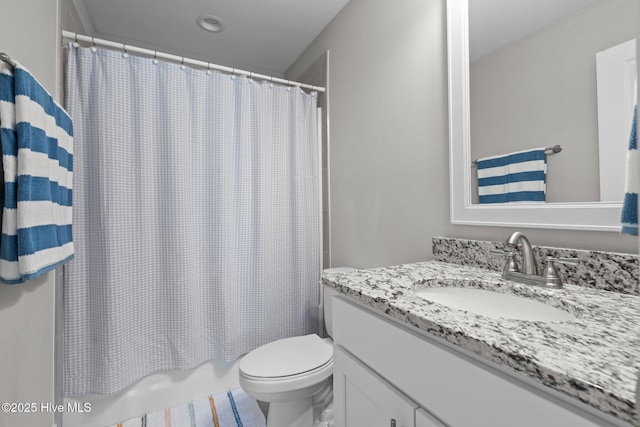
196, 218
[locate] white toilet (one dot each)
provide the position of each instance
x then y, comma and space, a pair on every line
294, 375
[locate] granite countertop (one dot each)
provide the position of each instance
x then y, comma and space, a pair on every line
594, 358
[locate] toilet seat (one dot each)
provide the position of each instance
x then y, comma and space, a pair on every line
257, 386
287, 364
287, 357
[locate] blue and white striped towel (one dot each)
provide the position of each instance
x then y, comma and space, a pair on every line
516, 177
632, 183
37, 158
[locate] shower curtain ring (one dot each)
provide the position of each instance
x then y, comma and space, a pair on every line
93, 45
155, 57
182, 63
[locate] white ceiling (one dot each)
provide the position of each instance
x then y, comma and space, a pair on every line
496, 23
264, 36
267, 36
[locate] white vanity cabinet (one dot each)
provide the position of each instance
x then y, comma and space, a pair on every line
365, 399
385, 371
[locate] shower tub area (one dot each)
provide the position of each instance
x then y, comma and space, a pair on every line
153, 393
197, 223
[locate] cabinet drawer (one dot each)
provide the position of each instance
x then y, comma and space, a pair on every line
456, 389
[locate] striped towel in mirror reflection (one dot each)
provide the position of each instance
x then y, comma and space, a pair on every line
515, 177
632, 184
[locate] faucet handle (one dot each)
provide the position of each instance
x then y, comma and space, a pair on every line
511, 264
551, 273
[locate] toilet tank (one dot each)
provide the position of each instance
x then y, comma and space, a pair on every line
327, 294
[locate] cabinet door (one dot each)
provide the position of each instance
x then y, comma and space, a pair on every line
425, 419
362, 398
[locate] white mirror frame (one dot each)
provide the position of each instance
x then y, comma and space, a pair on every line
597, 216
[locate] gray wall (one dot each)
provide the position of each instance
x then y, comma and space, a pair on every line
389, 140
29, 35
388, 129
541, 91
28, 315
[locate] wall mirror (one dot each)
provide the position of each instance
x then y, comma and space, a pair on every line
537, 73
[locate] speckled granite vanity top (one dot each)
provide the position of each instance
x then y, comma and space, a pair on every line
594, 358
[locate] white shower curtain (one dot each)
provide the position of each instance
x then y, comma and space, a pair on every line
196, 218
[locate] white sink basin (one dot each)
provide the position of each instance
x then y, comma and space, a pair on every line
493, 304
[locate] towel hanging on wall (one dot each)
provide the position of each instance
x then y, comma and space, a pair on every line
37, 158
514, 177
631, 185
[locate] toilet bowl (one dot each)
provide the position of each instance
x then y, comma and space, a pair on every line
294, 375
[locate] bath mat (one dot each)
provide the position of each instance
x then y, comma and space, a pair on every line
233, 408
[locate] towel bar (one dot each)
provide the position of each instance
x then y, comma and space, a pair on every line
549, 150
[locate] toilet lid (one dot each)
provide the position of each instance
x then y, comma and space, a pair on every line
286, 357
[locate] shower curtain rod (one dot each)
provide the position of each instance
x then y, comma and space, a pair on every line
184, 61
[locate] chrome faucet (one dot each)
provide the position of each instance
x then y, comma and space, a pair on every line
529, 264
529, 273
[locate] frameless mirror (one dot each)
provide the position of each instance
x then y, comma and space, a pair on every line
541, 73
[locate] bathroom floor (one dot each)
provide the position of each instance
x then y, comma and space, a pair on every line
233, 408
